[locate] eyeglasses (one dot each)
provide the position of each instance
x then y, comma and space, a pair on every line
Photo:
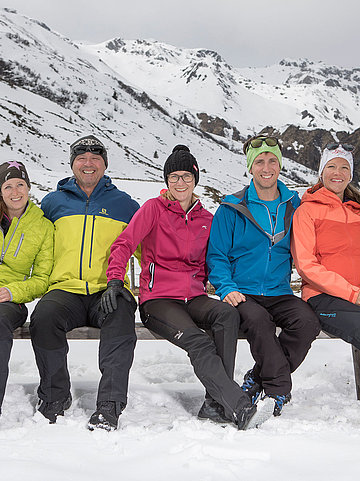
335, 145
256, 143
187, 178
94, 149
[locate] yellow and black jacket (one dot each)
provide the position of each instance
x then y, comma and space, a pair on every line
85, 228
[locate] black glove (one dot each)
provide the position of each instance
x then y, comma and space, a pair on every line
115, 288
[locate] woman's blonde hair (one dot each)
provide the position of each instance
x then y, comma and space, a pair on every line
167, 195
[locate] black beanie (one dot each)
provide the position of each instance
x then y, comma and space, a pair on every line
13, 170
181, 159
88, 144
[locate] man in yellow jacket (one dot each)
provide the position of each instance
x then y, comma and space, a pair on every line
88, 213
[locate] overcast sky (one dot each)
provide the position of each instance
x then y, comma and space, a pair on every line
245, 33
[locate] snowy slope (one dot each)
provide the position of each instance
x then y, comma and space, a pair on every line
317, 438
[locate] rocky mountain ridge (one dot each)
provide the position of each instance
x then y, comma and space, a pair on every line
142, 97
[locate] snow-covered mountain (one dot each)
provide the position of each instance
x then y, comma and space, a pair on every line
143, 97
196, 81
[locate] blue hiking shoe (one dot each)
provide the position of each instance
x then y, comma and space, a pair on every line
251, 387
280, 400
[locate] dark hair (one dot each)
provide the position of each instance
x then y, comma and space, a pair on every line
2, 208
259, 136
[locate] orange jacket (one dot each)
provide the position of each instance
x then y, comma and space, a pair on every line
325, 245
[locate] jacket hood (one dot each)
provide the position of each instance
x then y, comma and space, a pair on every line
32, 211
320, 195
250, 191
174, 205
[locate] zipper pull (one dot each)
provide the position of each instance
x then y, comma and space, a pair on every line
269, 253
178, 335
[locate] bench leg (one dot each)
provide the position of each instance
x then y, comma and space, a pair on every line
356, 361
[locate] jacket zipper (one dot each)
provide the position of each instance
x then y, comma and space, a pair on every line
19, 245
178, 334
272, 239
11, 238
152, 275
187, 244
82, 245
92, 240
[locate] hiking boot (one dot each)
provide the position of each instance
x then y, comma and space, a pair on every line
105, 417
280, 400
243, 417
212, 410
54, 409
252, 388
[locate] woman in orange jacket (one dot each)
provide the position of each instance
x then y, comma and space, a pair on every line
326, 247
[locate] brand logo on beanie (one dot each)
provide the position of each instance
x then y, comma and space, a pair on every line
195, 168
88, 141
10, 175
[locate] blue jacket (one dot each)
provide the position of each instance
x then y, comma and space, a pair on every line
85, 228
242, 256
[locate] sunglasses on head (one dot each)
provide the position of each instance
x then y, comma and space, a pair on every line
94, 149
256, 143
335, 145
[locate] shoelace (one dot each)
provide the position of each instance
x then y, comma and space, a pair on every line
248, 384
279, 401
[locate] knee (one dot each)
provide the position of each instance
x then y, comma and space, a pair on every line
44, 320
227, 317
309, 326
257, 325
5, 329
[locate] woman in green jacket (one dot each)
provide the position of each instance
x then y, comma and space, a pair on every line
26, 256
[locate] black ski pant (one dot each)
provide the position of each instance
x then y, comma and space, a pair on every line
57, 313
276, 357
338, 317
212, 356
12, 316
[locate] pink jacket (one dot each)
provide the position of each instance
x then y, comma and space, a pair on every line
173, 249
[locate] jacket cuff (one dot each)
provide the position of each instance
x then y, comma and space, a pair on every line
11, 296
354, 295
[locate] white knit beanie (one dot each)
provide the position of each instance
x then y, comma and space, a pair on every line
328, 155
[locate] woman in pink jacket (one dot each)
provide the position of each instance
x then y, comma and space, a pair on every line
326, 247
173, 230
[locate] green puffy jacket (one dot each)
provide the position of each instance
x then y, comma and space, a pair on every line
27, 255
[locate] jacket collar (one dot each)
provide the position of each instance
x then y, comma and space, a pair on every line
174, 206
69, 184
249, 194
322, 195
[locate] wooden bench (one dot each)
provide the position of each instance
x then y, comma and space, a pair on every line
144, 334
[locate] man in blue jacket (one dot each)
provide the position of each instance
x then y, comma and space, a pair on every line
250, 265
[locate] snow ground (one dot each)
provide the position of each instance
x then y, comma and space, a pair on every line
316, 438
